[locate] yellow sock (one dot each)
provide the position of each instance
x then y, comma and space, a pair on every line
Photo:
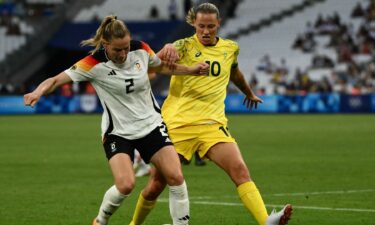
253, 201
142, 209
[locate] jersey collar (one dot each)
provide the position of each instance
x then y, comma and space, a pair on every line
201, 45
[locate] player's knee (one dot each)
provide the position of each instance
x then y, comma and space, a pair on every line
239, 173
175, 179
125, 186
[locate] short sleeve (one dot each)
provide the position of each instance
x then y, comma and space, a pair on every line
81, 70
235, 54
154, 60
180, 47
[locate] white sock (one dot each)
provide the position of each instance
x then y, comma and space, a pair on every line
111, 202
179, 204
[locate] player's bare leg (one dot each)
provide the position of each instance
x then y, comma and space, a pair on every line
148, 197
228, 157
122, 170
168, 166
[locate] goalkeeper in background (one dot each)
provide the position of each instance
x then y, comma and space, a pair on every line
195, 115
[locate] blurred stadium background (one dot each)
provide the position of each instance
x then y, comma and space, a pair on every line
299, 55
310, 59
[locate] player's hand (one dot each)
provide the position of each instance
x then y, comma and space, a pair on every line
170, 55
252, 101
31, 99
200, 68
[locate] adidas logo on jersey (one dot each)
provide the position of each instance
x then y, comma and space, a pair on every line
112, 73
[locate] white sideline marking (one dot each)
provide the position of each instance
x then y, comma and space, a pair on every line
327, 208
293, 194
285, 194
279, 206
322, 193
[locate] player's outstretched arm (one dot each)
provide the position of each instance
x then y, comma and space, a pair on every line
251, 100
199, 69
169, 54
46, 87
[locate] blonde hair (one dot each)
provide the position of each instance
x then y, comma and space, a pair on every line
202, 8
109, 29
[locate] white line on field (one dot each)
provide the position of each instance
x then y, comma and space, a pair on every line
279, 206
284, 194
322, 193
292, 194
327, 208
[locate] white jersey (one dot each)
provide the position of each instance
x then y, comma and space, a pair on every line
130, 109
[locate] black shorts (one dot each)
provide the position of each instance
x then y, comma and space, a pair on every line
146, 146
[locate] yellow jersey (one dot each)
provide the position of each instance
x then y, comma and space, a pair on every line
196, 100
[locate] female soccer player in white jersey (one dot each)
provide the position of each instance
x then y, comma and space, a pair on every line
117, 68
195, 116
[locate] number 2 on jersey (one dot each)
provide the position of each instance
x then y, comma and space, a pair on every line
163, 130
129, 85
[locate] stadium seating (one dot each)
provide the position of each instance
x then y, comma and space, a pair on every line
127, 10
15, 14
261, 27
277, 39
252, 11
45, 1
21, 26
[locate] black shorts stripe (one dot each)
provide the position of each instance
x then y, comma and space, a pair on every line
155, 104
110, 126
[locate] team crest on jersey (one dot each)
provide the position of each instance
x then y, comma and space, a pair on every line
179, 43
113, 146
138, 66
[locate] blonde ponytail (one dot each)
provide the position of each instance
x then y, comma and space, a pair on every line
109, 29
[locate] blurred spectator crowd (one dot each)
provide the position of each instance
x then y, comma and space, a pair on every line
18, 21
349, 70
15, 13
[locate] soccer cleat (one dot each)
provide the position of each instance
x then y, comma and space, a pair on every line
96, 222
198, 160
280, 218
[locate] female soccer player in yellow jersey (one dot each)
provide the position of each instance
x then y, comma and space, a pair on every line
195, 116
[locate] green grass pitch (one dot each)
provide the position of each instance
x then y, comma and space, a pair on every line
53, 171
